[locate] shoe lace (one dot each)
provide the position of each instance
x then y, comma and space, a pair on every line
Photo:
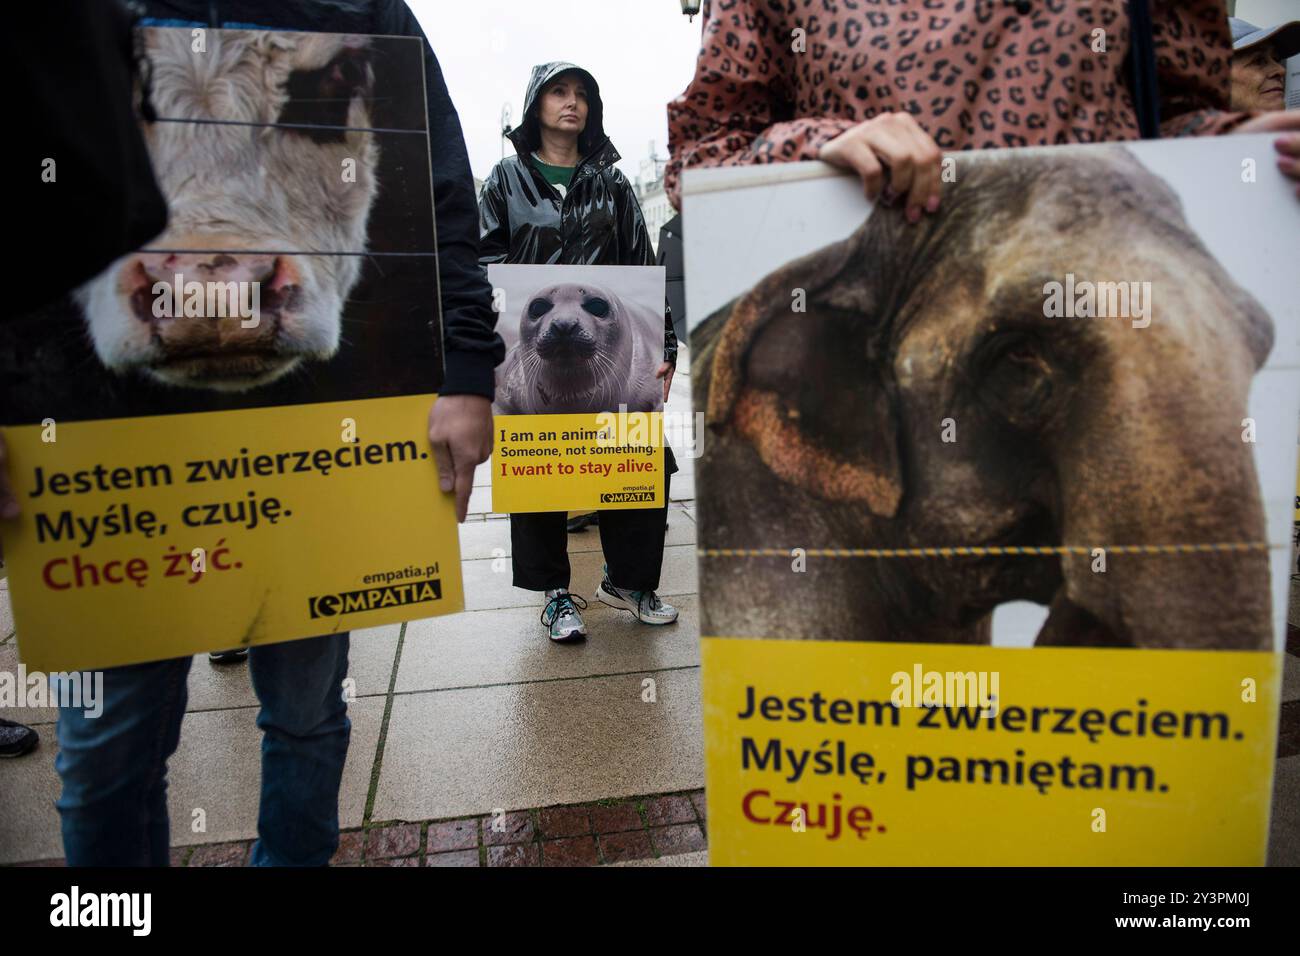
560, 605
648, 597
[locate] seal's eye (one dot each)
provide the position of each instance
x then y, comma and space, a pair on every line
596, 306
538, 308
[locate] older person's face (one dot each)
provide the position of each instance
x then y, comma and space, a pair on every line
1258, 80
563, 106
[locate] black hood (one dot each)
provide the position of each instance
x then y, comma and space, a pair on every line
527, 136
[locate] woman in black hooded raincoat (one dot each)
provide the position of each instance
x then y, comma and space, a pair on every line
560, 200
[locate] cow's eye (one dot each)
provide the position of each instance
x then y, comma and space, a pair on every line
319, 99
538, 308
596, 306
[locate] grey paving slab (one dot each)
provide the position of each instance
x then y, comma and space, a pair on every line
491, 538
511, 646
487, 582
218, 768
480, 501
9, 664
1284, 828
6, 612
459, 752
371, 653
1290, 677
29, 824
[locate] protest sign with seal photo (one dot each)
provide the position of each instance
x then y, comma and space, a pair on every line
579, 409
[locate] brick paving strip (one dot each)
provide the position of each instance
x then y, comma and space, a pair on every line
585, 834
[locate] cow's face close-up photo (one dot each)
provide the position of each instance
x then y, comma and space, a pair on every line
931, 395
243, 198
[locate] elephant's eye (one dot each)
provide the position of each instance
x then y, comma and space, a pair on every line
596, 306
1018, 380
538, 308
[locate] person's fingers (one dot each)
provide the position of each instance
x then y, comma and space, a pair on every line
914, 161
849, 151
464, 485
859, 157
928, 180
8, 501
443, 461
869, 170
1288, 145
1288, 160
893, 144
1271, 122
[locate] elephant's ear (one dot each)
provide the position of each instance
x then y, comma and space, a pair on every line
807, 388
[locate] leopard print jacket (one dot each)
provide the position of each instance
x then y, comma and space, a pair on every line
974, 73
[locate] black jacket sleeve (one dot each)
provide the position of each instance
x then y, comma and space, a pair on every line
472, 348
72, 104
634, 237
493, 219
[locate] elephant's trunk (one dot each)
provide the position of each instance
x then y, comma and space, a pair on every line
1163, 468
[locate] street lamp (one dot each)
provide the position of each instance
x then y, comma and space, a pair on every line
690, 8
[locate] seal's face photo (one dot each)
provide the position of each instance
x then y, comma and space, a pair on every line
933, 395
571, 331
226, 304
580, 346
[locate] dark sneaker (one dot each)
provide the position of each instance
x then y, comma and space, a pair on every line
236, 656
562, 618
583, 522
16, 739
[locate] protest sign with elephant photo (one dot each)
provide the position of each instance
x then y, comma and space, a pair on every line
995, 509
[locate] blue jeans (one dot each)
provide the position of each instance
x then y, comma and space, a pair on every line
114, 767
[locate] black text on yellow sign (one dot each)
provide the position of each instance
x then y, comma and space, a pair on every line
854, 754
578, 462
148, 538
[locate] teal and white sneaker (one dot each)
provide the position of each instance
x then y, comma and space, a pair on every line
562, 617
644, 604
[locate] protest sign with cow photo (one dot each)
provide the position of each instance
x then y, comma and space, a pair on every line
221, 440
994, 509
578, 410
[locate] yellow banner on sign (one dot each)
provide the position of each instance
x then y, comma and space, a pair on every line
1084, 757
583, 462
148, 538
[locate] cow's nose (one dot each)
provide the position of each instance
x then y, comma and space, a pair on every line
231, 266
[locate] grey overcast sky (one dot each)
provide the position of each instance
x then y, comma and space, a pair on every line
641, 52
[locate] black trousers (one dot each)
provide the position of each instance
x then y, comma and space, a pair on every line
632, 540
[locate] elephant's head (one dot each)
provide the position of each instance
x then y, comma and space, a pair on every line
926, 397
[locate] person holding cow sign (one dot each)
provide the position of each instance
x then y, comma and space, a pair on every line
113, 764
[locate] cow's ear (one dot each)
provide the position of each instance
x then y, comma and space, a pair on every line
796, 373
